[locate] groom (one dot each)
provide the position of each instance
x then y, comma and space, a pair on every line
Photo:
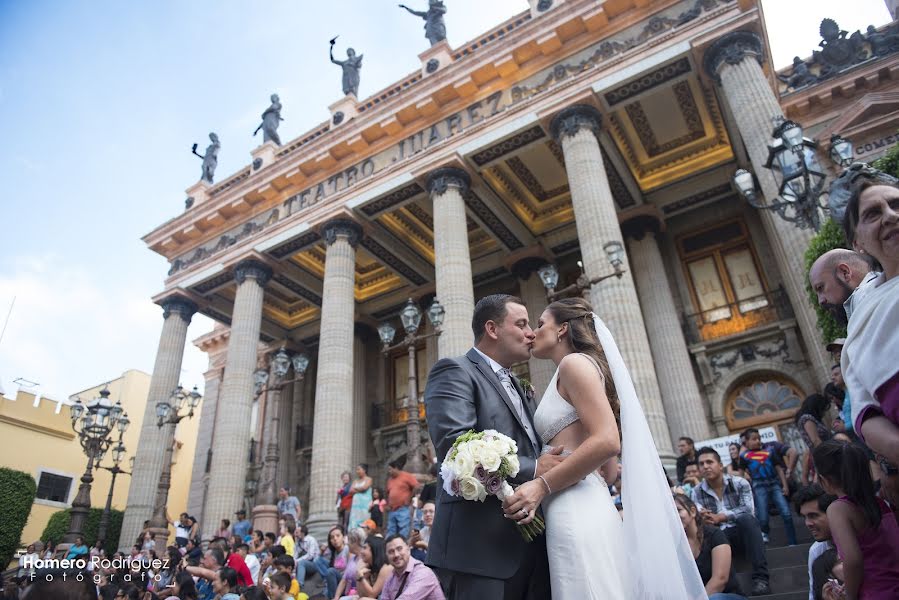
477, 552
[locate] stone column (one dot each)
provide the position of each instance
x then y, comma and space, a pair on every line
292, 473
677, 383
199, 478
332, 448
452, 259
230, 446
360, 404
265, 513
734, 61
177, 313
615, 300
533, 293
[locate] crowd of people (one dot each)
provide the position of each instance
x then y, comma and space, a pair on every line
845, 487
360, 559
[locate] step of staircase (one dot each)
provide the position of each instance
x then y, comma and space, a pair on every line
783, 596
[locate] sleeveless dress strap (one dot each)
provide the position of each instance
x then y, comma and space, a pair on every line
595, 364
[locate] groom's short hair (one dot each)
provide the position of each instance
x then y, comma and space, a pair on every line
490, 308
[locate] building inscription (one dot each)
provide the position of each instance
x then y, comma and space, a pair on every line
405, 149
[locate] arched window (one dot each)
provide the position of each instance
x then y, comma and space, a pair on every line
761, 401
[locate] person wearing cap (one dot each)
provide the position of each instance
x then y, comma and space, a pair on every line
371, 527
242, 526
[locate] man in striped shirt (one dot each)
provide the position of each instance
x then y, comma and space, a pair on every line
726, 502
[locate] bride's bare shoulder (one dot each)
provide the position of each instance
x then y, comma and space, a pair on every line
577, 365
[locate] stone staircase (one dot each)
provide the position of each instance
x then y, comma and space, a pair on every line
787, 565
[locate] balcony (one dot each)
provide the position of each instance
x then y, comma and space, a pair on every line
737, 317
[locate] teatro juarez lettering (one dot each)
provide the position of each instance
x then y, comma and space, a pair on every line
438, 132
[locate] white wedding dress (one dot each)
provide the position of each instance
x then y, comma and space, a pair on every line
584, 534
592, 553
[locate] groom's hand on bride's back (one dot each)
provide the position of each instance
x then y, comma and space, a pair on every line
549, 460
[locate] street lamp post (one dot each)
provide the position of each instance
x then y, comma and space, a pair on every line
169, 413
93, 422
411, 319
549, 274
118, 453
800, 178
265, 515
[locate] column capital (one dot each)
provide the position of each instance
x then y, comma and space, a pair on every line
439, 180
252, 269
527, 266
573, 118
732, 48
347, 227
180, 306
638, 226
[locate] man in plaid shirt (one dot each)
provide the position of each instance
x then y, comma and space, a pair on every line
726, 502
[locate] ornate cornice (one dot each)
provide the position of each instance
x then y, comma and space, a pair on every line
439, 180
180, 306
335, 227
732, 48
253, 269
572, 119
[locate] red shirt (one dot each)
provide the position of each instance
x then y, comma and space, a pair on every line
400, 488
236, 562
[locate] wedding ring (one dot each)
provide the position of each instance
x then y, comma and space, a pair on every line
524, 512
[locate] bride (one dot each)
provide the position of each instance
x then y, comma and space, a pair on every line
590, 410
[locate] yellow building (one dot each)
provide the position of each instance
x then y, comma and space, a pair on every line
39, 432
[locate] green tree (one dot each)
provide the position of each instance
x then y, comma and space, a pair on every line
58, 526
17, 490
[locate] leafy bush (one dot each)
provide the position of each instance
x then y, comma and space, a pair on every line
58, 526
889, 162
17, 490
830, 237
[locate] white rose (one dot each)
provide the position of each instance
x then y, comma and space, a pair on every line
476, 449
448, 476
490, 459
465, 463
512, 459
500, 445
472, 489
505, 491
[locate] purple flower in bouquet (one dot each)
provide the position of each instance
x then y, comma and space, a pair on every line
493, 484
480, 474
455, 487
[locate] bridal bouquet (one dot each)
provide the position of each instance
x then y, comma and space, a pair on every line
478, 465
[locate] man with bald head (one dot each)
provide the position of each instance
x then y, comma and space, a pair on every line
835, 276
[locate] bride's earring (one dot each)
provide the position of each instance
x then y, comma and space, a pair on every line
559, 338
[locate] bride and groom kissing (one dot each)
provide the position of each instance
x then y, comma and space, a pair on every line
589, 414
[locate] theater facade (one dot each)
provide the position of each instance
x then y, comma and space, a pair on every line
568, 132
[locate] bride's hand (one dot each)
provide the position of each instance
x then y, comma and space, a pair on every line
522, 506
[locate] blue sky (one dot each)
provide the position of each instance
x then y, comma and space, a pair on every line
100, 102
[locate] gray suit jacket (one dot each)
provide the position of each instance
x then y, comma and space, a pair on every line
469, 536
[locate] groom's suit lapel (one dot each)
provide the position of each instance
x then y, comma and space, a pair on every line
527, 402
490, 376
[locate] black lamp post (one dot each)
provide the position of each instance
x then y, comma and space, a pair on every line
800, 178
93, 422
118, 453
274, 382
411, 319
549, 274
169, 413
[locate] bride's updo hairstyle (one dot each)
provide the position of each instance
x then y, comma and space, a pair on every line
578, 313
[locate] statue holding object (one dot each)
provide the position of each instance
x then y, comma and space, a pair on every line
210, 159
271, 118
435, 28
351, 67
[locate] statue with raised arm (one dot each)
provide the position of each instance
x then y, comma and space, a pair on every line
435, 28
351, 67
210, 159
271, 118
